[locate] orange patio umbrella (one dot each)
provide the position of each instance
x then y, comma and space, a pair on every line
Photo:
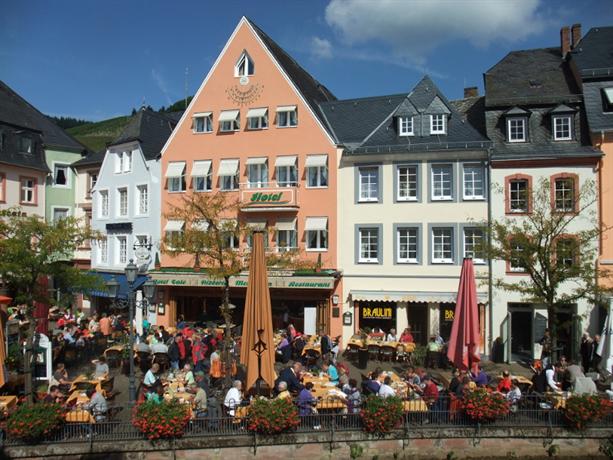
3, 300
258, 317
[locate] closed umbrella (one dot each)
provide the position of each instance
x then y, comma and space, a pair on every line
258, 317
41, 315
3, 300
605, 347
463, 349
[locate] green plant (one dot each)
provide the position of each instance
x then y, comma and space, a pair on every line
381, 415
32, 422
166, 419
579, 410
482, 405
606, 447
355, 451
419, 356
272, 416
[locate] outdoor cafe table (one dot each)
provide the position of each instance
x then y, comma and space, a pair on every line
415, 405
7, 403
79, 416
557, 399
329, 397
83, 380
77, 397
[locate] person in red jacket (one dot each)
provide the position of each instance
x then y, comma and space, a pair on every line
504, 386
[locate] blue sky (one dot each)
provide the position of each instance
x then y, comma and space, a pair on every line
98, 59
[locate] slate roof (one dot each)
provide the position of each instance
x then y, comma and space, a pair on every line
150, 129
593, 55
529, 77
368, 125
93, 159
313, 91
10, 152
17, 111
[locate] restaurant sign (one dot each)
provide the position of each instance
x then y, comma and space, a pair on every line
278, 282
377, 313
267, 198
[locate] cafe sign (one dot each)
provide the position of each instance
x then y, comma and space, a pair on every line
267, 198
377, 313
278, 282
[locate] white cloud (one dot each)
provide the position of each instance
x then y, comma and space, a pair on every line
321, 48
414, 28
161, 84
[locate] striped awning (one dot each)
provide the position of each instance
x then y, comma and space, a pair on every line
409, 296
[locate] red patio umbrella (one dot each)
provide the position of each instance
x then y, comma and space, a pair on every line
41, 310
463, 349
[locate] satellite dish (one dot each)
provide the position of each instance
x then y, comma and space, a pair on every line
244, 80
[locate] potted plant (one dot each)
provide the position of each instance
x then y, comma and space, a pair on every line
163, 420
580, 410
272, 416
381, 415
32, 422
482, 405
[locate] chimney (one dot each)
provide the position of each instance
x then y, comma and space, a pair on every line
575, 32
471, 91
564, 40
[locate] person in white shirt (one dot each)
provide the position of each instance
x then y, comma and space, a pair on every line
391, 336
385, 390
151, 376
550, 374
514, 394
233, 397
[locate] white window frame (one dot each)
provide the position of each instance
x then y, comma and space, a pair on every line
405, 126
139, 200
407, 260
103, 203
103, 251
206, 180
559, 119
564, 191
362, 233
26, 189
289, 172
366, 186
320, 174
321, 240
510, 128
473, 180
119, 202
67, 175
471, 233
259, 172
92, 179
511, 199
288, 118
137, 237
291, 236
433, 181
207, 124
408, 175
515, 268
257, 123
245, 67
118, 249
233, 180
441, 128
55, 208
448, 232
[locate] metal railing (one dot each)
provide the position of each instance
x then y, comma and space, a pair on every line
530, 412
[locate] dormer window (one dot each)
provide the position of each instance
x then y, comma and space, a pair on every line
437, 124
516, 129
562, 128
607, 99
405, 126
244, 66
25, 145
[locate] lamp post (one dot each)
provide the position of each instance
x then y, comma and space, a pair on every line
131, 272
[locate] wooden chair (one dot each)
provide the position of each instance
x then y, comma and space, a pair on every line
387, 353
351, 352
401, 355
373, 352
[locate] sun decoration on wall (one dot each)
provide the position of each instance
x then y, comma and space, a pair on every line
243, 95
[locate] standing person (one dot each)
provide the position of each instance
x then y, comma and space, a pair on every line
585, 349
326, 345
105, 326
547, 344
596, 358
173, 353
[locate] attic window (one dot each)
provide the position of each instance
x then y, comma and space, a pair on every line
516, 129
405, 126
244, 66
25, 145
607, 99
535, 84
437, 124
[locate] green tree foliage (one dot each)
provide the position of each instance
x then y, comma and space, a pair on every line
557, 250
68, 122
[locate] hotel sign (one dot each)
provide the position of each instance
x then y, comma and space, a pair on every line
276, 282
377, 313
266, 198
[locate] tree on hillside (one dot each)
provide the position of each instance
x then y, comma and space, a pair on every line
555, 245
211, 236
32, 250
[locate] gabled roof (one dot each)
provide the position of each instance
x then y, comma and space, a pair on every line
313, 91
368, 125
150, 129
593, 55
92, 159
17, 111
530, 77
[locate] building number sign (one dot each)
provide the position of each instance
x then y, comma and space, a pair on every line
244, 96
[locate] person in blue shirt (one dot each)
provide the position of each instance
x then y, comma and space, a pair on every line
329, 369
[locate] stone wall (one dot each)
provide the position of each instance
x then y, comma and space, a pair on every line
426, 444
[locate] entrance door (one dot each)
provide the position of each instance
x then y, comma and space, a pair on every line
521, 335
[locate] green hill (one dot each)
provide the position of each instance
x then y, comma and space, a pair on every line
97, 135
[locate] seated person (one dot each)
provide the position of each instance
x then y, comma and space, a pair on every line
539, 381
504, 386
233, 398
376, 333
514, 393
386, 390
291, 376
433, 353
97, 405
54, 396
330, 369
571, 374
455, 381
306, 400
391, 336
102, 368
151, 377
354, 397
550, 373
283, 392
200, 401
430, 391
157, 393
480, 378
371, 385
61, 377
406, 336
284, 350
188, 375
